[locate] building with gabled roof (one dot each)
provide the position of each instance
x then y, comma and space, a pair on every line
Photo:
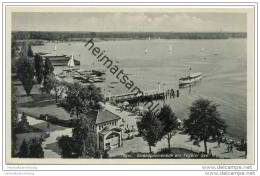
106, 126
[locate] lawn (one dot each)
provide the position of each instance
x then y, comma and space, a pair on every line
37, 104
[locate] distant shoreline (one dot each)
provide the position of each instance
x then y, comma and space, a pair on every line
83, 36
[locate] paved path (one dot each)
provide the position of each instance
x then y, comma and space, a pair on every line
179, 141
55, 132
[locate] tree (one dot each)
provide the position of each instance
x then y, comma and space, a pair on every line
25, 73
84, 137
48, 71
13, 117
204, 122
83, 140
30, 52
81, 99
14, 49
67, 147
24, 51
23, 125
39, 68
35, 149
51, 83
48, 68
23, 152
150, 129
169, 123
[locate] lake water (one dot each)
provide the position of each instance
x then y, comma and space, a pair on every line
222, 62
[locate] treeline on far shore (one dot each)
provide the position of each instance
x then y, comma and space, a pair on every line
68, 36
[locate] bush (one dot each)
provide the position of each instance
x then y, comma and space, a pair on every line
105, 154
66, 145
31, 149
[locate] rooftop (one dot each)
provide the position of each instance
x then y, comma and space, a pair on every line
107, 129
102, 116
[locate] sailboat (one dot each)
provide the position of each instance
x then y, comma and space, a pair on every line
203, 53
146, 51
170, 49
55, 49
71, 63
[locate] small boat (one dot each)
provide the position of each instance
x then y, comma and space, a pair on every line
188, 80
61, 75
114, 82
98, 72
95, 80
70, 69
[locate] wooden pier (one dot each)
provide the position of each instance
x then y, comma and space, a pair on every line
147, 96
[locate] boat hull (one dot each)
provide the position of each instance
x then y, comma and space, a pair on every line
189, 81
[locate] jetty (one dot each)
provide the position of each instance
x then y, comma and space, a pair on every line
149, 95
59, 60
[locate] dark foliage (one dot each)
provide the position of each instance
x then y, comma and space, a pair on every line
204, 122
23, 153
23, 124
31, 149
82, 143
39, 68
13, 55
25, 73
150, 129
84, 137
67, 146
13, 117
81, 99
35, 149
48, 67
56, 121
169, 123
30, 52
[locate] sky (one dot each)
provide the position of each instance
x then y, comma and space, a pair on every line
129, 22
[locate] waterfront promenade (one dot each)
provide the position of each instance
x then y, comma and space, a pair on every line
137, 144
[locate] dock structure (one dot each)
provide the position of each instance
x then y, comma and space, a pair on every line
149, 95
59, 60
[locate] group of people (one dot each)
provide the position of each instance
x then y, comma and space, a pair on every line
229, 143
230, 146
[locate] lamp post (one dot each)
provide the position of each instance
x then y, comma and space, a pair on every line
109, 95
163, 86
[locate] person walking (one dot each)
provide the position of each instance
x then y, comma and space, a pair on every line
228, 147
